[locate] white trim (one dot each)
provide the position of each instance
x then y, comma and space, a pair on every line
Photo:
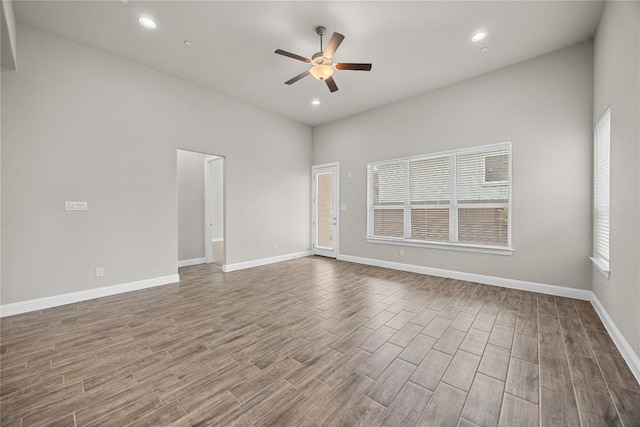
317, 250
208, 214
192, 261
264, 261
465, 150
542, 288
454, 246
73, 297
601, 265
623, 345
209, 219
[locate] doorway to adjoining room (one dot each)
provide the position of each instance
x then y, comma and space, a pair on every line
200, 195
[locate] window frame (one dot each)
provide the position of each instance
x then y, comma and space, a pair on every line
601, 263
453, 206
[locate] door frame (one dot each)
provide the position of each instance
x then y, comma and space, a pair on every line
208, 212
336, 208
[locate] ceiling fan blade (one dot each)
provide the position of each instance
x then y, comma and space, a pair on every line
333, 44
331, 84
347, 66
293, 55
298, 77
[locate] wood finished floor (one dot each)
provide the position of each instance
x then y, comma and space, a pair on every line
314, 342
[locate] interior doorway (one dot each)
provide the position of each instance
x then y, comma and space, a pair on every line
201, 207
324, 221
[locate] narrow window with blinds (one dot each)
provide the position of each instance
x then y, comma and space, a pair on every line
601, 173
458, 198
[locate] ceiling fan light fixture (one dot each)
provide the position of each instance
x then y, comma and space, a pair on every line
321, 71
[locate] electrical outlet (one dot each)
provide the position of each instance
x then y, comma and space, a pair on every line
99, 271
275, 247
401, 252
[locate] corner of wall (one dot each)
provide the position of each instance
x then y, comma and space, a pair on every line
617, 85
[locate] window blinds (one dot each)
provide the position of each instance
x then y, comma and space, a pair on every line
483, 196
389, 190
430, 192
602, 141
456, 197
389, 183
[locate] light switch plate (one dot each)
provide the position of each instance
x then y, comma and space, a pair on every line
343, 207
75, 206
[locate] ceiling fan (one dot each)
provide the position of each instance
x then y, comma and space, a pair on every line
322, 66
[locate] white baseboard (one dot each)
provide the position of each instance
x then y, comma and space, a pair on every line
478, 278
264, 261
193, 261
217, 239
623, 345
73, 297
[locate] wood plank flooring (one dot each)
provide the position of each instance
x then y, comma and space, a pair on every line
315, 342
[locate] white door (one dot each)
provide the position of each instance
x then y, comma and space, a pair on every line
324, 221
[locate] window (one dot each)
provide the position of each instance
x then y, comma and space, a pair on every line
602, 140
496, 168
456, 199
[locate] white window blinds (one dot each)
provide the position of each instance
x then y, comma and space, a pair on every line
389, 189
458, 197
389, 183
483, 205
430, 192
602, 140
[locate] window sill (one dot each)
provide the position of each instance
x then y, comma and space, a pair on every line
602, 266
494, 250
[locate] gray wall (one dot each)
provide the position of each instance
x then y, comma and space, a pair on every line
79, 124
616, 84
544, 106
190, 205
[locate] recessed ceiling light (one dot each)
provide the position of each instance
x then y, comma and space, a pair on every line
187, 43
147, 22
315, 102
481, 35
483, 49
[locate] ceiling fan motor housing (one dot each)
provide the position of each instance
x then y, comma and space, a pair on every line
320, 59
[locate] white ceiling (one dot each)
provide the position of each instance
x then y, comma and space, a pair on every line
415, 46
